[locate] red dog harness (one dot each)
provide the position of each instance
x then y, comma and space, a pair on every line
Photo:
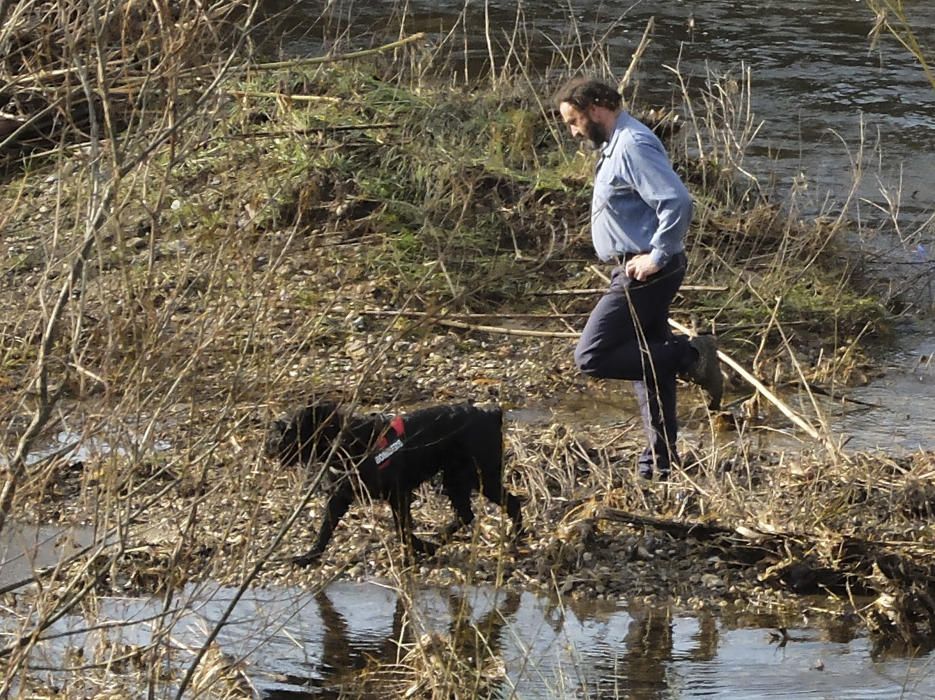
387, 447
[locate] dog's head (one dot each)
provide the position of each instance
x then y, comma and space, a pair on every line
305, 437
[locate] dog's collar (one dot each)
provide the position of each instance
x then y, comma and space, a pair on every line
389, 446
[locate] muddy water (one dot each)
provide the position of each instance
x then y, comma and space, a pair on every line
299, 645
28, 548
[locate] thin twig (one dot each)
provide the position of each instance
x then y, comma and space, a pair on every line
296, 132
294, 63
284, 96
637, 55
41, 75
456, 317
505, 331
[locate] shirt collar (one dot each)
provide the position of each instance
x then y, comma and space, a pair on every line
608, 148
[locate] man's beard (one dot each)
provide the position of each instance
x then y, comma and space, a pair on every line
595, 134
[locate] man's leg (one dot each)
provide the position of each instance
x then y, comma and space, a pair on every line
658, 410
627, 336
623, 337
669, 354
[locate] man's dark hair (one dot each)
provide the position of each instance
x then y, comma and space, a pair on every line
583, 92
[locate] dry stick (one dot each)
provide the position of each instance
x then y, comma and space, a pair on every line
756, 383
422, 314
698, 530
340, 57
41, 75
297, 132
569, 292
504, 331
637, 55
602, 290
310, 130
283, 95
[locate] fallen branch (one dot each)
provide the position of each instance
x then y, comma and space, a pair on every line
432, 317
294, 63
298, 132
284, 96
673, 527
823, 391
602, 290
428, 314
506, 331
39, 76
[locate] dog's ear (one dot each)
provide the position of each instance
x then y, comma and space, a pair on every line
318, 427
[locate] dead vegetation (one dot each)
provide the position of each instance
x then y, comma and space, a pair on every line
192, 246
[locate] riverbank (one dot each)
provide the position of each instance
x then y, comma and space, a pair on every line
349, 231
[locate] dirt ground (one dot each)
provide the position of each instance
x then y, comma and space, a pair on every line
595, 529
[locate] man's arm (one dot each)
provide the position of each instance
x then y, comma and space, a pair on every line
652, 176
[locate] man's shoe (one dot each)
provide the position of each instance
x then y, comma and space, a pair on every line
706, 370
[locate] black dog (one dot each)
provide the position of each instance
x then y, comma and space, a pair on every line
392, 456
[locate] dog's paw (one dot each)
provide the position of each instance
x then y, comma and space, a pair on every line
306, 559
423, 547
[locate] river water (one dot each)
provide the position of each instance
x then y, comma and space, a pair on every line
293, 644
817, 85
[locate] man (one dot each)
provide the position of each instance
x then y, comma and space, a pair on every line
640, 212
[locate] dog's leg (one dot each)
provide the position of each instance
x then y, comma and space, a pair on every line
337, 506
492, 487
515, 510
459, 482
401, 504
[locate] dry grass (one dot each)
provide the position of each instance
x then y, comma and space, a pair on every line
191, 247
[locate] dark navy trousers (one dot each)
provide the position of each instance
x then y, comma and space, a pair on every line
627, 336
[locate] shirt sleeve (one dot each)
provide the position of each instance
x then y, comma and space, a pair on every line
648, 169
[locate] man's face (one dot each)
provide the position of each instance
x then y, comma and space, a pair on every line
582, 124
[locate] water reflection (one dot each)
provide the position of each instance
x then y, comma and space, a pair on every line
298, 644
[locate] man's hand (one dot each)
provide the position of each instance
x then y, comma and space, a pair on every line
641, 267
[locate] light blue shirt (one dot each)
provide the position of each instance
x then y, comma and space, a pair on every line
640, 204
